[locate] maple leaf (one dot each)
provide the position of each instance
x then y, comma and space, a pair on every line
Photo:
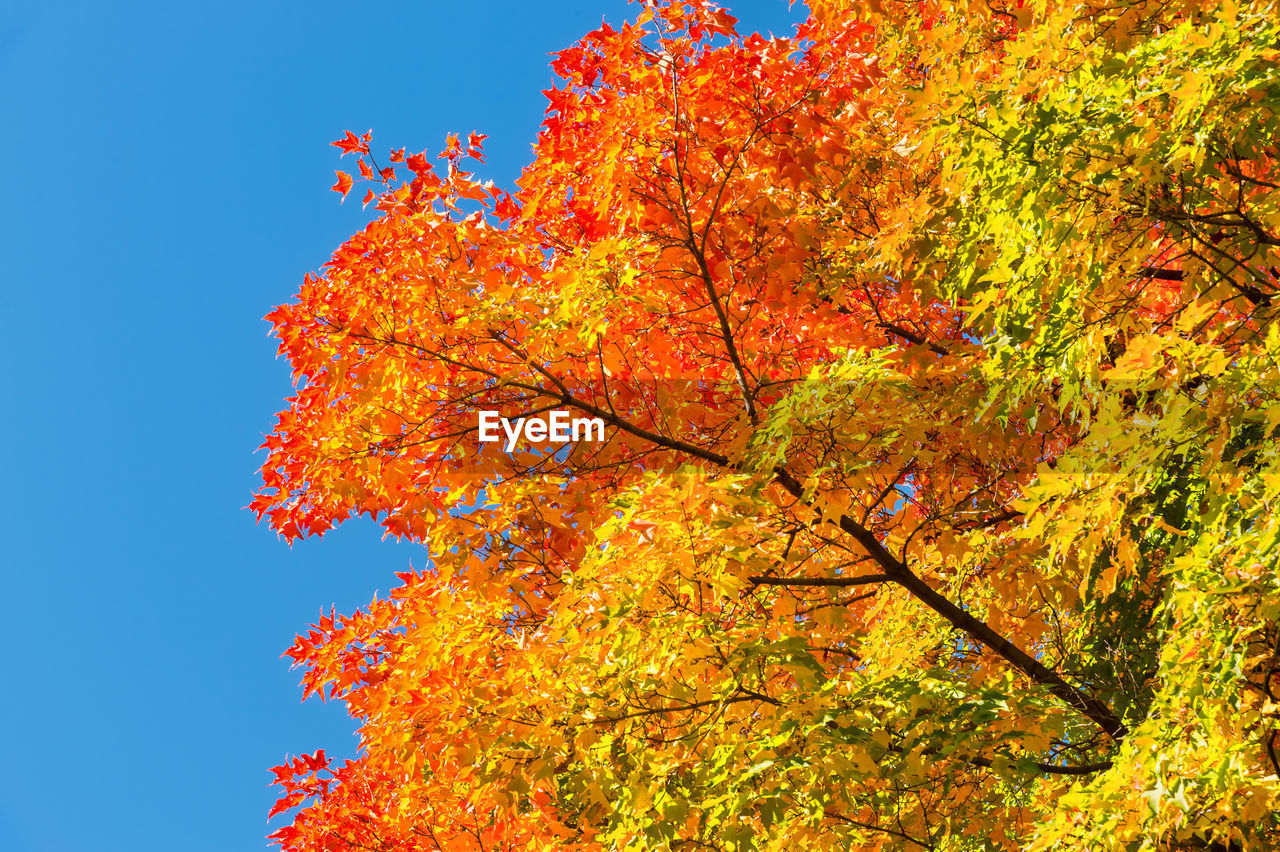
506, 208
343, 184
475, 148
452, 148
418, 164
351, 144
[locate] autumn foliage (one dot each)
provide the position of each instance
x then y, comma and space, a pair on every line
937, 345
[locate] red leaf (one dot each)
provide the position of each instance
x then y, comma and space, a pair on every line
475, 146
506, 208
344, 183
452, 147
418, 164
350, 144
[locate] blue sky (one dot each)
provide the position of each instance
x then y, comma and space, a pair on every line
166, 183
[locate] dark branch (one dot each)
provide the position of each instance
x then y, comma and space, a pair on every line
838, 582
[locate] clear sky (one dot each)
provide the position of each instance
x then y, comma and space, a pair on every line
165, 184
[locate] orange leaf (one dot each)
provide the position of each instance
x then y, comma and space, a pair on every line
343, 184
351, 144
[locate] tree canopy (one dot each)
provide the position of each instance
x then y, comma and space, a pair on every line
939, 504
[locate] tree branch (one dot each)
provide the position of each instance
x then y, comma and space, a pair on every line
898, 572
894, 569
835, 582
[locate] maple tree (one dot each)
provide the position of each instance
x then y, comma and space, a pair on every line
937, 348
